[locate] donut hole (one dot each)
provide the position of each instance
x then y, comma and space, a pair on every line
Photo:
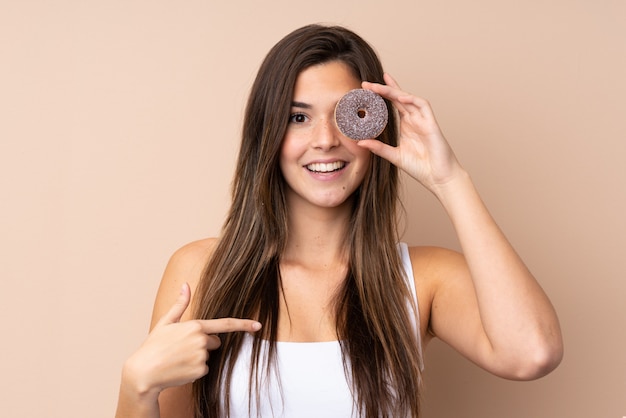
361, 113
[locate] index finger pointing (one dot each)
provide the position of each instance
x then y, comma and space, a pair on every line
221, 325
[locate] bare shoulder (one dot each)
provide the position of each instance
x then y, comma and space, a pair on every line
186, 265
192, 256
435, 261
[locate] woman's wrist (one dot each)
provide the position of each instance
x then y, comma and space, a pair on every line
136, 400
135, 385
453, 187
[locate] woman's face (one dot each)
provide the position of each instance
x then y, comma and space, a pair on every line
321, 166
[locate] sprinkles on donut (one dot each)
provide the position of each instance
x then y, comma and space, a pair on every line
361, 114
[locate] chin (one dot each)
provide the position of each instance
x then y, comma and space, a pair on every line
333, 203
324, 200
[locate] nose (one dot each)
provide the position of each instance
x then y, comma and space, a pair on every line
326, 135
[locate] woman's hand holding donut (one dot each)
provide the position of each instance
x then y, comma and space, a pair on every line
422, 150
175, 352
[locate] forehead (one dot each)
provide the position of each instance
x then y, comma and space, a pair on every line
333, 76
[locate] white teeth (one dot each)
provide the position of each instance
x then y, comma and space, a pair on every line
325, 167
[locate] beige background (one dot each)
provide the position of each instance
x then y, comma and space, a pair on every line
119, 125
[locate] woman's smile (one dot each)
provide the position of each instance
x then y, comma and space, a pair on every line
326, 167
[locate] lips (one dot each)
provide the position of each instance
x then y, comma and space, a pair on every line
326, 167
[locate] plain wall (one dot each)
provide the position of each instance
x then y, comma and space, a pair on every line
119, 125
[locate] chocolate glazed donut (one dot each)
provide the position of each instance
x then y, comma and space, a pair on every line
361, 114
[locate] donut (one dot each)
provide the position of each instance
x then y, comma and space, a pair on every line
361, 114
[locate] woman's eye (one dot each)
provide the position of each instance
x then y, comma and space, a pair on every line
297, 118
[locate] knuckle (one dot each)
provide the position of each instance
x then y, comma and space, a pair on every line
201, 357
195, 326
203, 341
229, 323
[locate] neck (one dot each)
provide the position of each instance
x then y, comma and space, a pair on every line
317, 236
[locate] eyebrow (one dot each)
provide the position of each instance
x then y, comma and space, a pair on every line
301, 105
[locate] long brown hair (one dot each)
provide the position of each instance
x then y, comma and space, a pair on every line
374, 307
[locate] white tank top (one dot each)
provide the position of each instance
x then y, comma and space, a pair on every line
312, 381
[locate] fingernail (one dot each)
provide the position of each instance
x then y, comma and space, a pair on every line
256, 326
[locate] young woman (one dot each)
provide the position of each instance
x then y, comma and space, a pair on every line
310, 250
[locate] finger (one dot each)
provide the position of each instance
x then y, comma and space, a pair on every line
390, 81
213, 343
391, 92
222, 325
422, 104
394, 92
178, 309
381, 149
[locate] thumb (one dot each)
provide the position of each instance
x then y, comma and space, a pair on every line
178, 309
381, 149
